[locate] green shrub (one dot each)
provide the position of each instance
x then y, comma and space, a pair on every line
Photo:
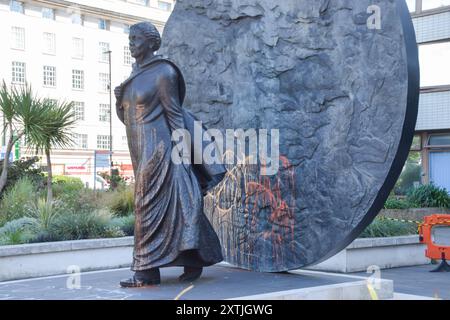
24, 168
382, 227
17, 200
126, 224
45, 214
394, 203
92, 225
112, 232
82, 201
120, 201
18, 231
410, 175
429, 196
74, 226
63, 185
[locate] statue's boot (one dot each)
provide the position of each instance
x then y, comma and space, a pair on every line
190, 274
142, 278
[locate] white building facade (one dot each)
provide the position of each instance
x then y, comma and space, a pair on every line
58, 47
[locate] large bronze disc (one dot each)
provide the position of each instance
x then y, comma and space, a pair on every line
338, 78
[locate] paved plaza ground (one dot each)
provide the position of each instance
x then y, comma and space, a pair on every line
418, 281
218, 282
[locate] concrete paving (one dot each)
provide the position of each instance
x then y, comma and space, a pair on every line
218, 282
418, 281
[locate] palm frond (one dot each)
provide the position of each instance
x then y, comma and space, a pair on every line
7, 103
56, 126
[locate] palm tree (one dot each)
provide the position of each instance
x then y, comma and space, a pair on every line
7, 108
57, 126
22, 113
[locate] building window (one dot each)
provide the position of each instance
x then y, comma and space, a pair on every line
18, 38
411, 5
80, 140
166, 6
126, 28
127, 60
142, 2
16, 6
77, 48
49, 76
439, 140
49, 43
48, 13
24, 142
49, 101
104, 112
103, 142
103, 24
78, 79
435, 64
77, 19
18, 72
417, 143
79, 110
103, 51
103, 82
433, 4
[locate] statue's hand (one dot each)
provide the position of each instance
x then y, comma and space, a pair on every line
118, 92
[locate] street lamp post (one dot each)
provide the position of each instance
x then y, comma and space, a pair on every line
110, 117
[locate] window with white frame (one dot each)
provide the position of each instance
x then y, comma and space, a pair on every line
142, 2
49, 43
163, 5
16, 6
48, 13
77, 18
127, 60
80, 140
124, 142
103, 51
104, 112
103, 79
126, 28
103, 24
79, 110
18, 74
24, 141
77, 48
411, 5
434, 64
18, 38
49, 76
51, 101
434, 4
103, 142
77, 79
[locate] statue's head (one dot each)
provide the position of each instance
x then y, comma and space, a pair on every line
144, 37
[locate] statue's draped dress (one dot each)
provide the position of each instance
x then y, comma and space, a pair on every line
171, 228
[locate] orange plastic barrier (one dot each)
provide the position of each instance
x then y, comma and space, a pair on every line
434, 251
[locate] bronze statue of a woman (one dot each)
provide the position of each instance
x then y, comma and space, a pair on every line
171, 228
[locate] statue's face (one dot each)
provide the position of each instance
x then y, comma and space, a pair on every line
139, 44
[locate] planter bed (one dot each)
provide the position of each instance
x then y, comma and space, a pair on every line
54, 258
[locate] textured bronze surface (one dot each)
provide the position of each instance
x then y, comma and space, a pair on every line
171, 228
341, 88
